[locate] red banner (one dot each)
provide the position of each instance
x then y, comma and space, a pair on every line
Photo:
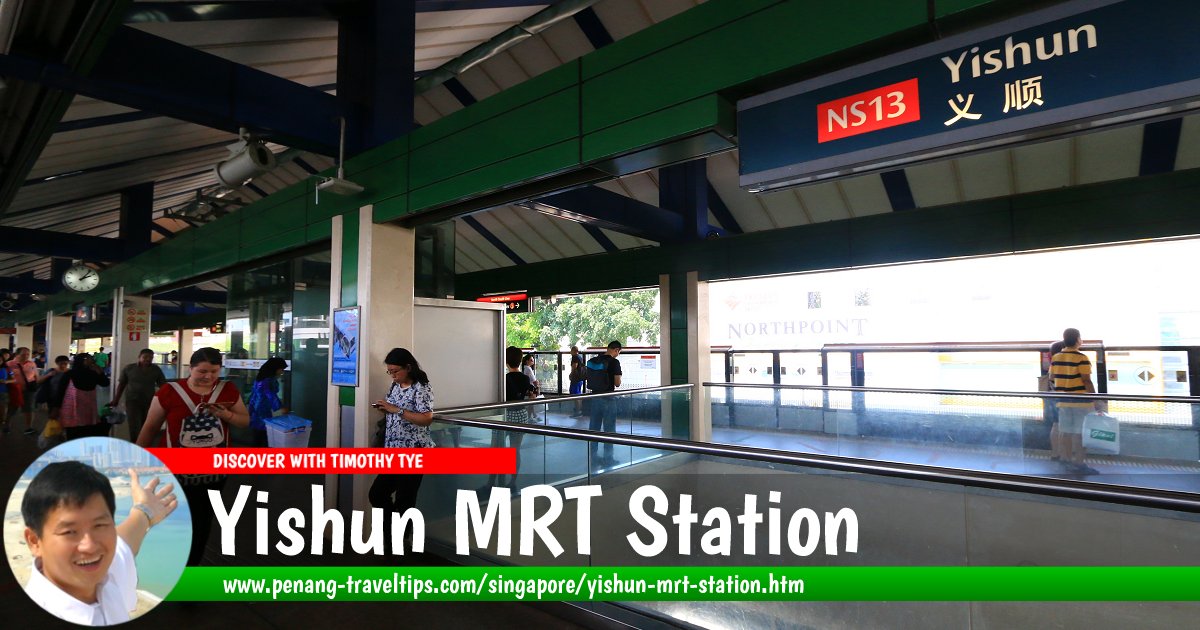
338, 461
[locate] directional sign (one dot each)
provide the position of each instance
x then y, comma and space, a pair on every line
521, 306
514, 302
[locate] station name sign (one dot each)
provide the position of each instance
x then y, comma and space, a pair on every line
1037, 75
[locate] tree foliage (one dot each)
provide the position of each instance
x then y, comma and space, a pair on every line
630, 317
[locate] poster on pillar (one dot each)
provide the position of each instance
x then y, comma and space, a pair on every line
344, 350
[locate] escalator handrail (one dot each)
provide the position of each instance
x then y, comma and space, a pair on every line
559, 399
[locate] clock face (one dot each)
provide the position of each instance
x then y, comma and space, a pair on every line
81, 278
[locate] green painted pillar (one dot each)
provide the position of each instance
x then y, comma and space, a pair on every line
686, 356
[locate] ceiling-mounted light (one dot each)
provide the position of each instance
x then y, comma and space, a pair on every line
205, 207
249, 157
338, 185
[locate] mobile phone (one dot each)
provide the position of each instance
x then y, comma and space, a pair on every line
377, 405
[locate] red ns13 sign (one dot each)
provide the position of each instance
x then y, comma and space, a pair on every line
876, 109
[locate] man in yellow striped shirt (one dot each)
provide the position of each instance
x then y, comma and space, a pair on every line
1071, 373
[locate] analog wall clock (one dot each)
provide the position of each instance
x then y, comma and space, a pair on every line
81, 278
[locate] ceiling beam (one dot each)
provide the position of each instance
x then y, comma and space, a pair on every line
376, 52
153, 74
62, 245
191, 294
144, 12
29, 285
34, 109
616, 212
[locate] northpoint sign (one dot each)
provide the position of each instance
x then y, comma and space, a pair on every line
1043, 74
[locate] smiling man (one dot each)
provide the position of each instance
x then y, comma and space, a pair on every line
83, 568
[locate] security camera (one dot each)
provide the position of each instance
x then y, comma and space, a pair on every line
248, 159
338, 186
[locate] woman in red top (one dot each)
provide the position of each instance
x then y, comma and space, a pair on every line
197, 413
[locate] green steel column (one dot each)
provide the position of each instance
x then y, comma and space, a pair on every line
349, 294
676, 296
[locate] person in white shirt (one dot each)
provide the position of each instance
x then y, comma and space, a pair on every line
83, 567
527, 370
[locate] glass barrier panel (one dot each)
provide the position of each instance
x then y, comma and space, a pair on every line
633, 413
640, 368
716, 373
544, 372
1153, 444
169, 371
847, 519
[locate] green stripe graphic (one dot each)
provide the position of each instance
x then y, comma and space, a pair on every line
688, 583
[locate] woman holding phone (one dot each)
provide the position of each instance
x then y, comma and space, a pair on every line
196, 412
408, 410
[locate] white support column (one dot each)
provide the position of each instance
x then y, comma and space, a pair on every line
185, 351
58, 336
386, 287
24, 338
131, 330
699, 356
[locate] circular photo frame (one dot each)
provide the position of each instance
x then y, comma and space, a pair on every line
97, 531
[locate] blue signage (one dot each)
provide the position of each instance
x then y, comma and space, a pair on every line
1061, 69
344, 347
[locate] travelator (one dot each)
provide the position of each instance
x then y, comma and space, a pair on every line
922, 496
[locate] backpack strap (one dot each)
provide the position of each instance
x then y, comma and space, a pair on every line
187, 400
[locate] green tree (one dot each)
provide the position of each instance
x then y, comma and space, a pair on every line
522, 330
588, 320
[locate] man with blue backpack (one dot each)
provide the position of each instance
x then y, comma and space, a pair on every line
604, 375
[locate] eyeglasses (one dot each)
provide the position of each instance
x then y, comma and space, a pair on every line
393, 372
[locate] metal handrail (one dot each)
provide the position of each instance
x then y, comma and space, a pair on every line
967, 392
559, 399
1086, 490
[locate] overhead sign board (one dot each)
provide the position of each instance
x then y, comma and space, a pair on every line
513, 302
1064, 68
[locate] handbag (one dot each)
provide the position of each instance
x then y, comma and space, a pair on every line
1102, 433
52, 435
114, 415
380, 433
